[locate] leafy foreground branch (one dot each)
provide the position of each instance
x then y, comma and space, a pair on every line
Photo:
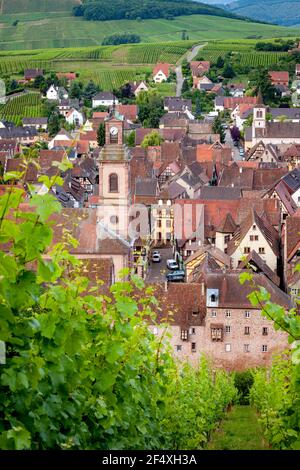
83, 371
276, 391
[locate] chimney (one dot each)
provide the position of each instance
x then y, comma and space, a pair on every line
241, 169
166, 286
232, 185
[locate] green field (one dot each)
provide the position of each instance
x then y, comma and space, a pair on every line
20, 6
242, 51
44, 30
26, 106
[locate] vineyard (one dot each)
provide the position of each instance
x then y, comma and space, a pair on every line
76, 378
26, 106
242, 51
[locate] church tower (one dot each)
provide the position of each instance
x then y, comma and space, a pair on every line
259, 118
114, 177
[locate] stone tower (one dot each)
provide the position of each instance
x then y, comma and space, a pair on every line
114, 177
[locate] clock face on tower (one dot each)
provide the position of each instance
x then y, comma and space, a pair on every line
113, 131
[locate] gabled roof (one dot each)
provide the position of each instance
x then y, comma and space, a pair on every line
227, 226
265, 228
214, 252
162, 67
104, 96
257, 264
292, 236
279, 76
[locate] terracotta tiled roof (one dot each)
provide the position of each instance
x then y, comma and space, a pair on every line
183, 304
91, 136
85, 229
279, 76
255, 263
231, 103
228, 225
129, 111
237, 177
162, 67
267, 231
292, 235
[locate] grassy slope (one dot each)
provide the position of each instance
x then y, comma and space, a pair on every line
40, 31
21, 6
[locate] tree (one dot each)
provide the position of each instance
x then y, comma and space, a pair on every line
55, 123
101, 135
90, 90
259, 81
126, 92
76, 90
198, 108
185, 86
235, 133
131, 139
219, 129
228, 71
220, 62
151, 108
151, 140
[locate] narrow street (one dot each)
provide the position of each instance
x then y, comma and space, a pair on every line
157, 271
189, 57
236, 152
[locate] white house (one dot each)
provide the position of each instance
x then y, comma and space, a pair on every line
75, 118
62, 136
52, 93
255, 234
161, 72
105, 98
56, 93
137, 87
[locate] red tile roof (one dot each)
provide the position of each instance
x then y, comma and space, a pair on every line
67, 75
129, 111
162, 67
279, 76
231, 103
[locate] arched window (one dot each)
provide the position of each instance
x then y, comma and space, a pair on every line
113, 183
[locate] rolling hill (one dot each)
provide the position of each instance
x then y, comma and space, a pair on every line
283, 12
44, 24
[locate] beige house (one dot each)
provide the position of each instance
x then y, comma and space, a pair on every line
162, 216
255, 234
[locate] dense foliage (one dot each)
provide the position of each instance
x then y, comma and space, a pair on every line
243, 382
280, 46
79, 370
151, 108
102, 10
275, 394
284, 12
124, 38
276, 391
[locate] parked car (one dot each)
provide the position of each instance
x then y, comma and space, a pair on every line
172, 264
236, 143
156, 257
176, 276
